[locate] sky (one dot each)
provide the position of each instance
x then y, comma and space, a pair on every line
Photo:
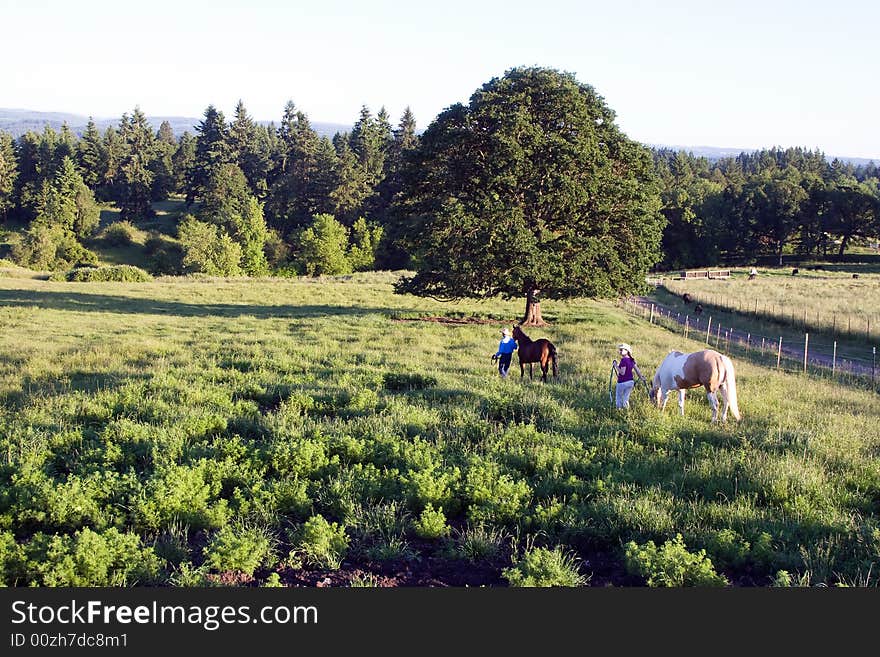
737, 74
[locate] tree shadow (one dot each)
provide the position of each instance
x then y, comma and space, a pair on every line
104, 303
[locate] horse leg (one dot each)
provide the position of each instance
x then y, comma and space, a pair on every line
530, 371
665, 398
681, 402
713, 401
544, 365
724, 402
522, 368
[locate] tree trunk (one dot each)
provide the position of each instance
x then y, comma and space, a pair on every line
533, 310
843, 244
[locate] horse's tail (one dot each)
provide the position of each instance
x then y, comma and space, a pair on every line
730, 381
555, 357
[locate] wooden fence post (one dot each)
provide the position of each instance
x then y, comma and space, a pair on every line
779, 352
651, 320
834, 359
686, 327
708, 329
806, 344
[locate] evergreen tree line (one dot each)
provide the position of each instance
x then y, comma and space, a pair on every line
267, 199
259, 198
767, 203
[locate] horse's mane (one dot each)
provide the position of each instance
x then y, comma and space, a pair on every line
522, 333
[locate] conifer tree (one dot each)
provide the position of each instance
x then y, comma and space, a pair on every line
162, 164
352, 188
8, 174
88, 156
212, 152
248, 149
136, 166
296, 194
183, 160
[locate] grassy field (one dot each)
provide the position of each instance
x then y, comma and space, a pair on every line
263, 432
827, 300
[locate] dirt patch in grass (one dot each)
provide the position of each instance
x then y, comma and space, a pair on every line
451, 320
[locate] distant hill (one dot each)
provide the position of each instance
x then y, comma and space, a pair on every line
19, 121
714, 153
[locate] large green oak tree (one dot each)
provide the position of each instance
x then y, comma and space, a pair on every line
529, 191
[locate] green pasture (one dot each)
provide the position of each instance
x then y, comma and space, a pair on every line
252, 432
823, 299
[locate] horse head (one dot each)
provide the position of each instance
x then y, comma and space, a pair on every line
517, 333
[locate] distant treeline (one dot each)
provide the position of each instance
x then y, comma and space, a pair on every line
267, 199
771, 202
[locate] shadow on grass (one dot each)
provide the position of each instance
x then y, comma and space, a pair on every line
76, 381
103, 303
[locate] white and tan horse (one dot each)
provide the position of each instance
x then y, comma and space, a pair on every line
705, 368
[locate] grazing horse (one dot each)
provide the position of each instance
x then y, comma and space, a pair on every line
535, 351
705, 368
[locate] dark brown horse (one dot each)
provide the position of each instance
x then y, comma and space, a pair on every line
535, 351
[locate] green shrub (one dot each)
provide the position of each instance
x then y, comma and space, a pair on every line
728, 548
434, 486
87, 558
365, 240
209, 249
165, 253
241, 549
406, 381
46, 247
545, 567
113, 273
320, 543
494, 495
671, 565
273, 581
12, 560
276, 249
323, 247
431, 523
120, 233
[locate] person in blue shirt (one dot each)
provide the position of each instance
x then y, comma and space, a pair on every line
505, 352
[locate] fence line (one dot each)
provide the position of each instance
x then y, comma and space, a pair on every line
811, 358
854, 325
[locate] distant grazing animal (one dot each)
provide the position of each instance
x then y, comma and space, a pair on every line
855, 275
535, 351
686, 297
705, 368
698, 309
795, 271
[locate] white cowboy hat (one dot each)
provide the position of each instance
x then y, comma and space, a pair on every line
625, 346
505, 331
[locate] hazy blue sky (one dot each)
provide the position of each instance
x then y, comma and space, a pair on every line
740, 73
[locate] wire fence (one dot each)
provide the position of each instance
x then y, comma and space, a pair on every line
861, 326
806, 355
